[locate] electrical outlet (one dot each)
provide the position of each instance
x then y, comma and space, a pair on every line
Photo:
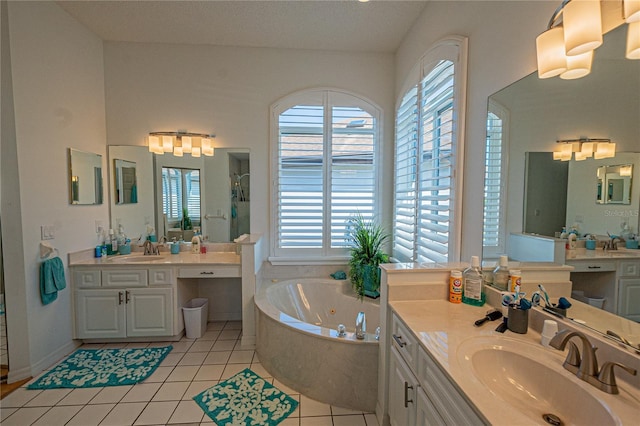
47, 232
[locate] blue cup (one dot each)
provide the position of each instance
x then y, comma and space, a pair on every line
590, 244
631, 244
175, 248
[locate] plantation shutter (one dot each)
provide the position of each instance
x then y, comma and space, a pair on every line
437, 162
192, 179
300, 177
406, 157
352, 169
171, 194
325, 172
494, 184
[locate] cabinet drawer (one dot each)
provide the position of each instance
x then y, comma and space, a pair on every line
629, 268
86, 278
163, 276
224, 271
124, 278
404, 341
594, 266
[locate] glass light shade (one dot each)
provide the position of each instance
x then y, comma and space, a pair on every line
167, 143
605, 150
177, 151
154, 145
205, 145
580, 156
633, 40
186, 144
582, 23
587, 149
631, 10
625, 170
564, 153
195, 151
578, 66
552, 60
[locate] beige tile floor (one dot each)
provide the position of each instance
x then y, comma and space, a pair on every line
166, 396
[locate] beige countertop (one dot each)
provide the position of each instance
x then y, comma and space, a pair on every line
184, 258
442, 328
599, 254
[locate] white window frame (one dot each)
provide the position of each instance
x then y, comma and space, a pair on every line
454, 49
495, 251
328, 97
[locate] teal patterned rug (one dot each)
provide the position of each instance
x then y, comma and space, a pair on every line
90, 368
246, 399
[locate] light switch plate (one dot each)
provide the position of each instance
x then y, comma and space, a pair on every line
47, 232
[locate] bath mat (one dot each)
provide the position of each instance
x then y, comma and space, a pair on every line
90, 368
246, 399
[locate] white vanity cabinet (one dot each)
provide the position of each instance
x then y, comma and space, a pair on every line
629, 289
419, 392
123, 302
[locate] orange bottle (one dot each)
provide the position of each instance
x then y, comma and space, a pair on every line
455, 287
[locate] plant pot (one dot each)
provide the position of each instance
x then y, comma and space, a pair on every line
371, 281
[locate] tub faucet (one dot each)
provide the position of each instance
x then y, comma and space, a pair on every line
586, 367
361, 325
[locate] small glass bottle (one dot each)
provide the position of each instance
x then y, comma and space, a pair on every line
472, 290
501, 274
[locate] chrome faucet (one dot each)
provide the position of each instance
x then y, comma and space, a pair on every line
361, 325
585, 364
150, 249
612, 244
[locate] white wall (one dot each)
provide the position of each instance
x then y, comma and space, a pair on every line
228, 91
58, 91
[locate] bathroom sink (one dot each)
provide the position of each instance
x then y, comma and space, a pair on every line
137, 258
528, 379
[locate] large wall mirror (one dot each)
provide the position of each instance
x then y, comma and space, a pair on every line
215, 190
528, 117
85, 177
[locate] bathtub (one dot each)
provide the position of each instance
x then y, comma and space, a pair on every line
297, 341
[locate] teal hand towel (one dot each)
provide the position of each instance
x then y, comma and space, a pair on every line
51, 279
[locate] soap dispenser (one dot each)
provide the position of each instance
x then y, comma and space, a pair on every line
195, 244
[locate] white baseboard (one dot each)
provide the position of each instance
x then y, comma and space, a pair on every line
45, 363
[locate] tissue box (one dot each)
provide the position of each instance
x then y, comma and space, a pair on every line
632, 244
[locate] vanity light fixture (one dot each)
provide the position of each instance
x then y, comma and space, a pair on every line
180, 143
625, 170
584, 148
574, 31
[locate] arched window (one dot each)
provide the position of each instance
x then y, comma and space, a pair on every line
325, 158
428, 157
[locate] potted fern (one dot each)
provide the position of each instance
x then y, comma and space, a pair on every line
366, 239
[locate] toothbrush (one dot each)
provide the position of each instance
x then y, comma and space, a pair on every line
546, 296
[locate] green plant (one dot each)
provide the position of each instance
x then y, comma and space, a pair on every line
186, 220
366, 239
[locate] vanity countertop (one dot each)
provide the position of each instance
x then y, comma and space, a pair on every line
165, 258
599, 254
441, 328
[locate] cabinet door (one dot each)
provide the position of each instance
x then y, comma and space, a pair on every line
100, 314
629, 298
149, 312
402, 392
426, 413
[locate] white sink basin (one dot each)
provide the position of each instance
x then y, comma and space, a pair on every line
528, 379
137, 258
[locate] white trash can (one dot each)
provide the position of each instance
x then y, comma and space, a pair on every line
195, 313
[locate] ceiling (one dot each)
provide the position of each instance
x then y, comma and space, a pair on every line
345, 25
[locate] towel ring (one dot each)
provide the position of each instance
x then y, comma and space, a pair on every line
47, 251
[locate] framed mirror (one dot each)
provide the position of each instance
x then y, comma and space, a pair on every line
124, 177
614, 184
85, 178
